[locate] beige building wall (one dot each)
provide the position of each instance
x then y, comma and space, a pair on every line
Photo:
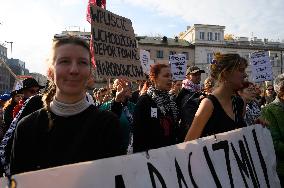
193, 33
166, 52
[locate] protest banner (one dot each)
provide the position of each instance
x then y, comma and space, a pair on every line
114, 45
178, 66
261, 66
240, 158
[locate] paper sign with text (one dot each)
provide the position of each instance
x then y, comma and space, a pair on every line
145, 61
240, 158
178, 65
115, 46
261, 66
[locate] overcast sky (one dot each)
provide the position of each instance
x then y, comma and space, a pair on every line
31, 24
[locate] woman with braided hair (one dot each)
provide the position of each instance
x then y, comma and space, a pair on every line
221, 111
68, 129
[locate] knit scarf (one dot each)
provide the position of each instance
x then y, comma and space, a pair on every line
65, 110
188, 84
163, 101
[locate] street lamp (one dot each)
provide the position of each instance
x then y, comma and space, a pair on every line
11, 43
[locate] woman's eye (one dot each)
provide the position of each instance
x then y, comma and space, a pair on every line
63, 61
83, 62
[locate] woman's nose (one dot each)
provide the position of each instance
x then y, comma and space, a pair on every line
74, 67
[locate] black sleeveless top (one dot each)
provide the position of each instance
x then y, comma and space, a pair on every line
219, 121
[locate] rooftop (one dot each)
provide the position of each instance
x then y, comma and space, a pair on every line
162, 41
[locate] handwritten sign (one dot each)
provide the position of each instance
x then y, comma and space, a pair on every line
261, 66
240, 158
18, 85
145, 61
114, 45
178, 66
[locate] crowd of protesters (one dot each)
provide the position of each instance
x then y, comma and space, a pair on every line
62, 125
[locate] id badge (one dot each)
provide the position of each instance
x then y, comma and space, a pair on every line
154, 112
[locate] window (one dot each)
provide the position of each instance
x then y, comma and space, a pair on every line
160, 54
209, 36
186, 55
201, 35
217, 36
209, 58
172, 52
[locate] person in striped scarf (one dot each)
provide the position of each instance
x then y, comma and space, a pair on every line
155, 115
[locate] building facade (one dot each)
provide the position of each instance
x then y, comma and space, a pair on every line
4, 72
209, 39
161, 47
18, 67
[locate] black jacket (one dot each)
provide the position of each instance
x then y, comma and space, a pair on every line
151, 132
89, 135
8, 114
35, 103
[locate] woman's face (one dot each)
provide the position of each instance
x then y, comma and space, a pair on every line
177, 85
164, 79
18, 97
236, 78
269, 90
71, 70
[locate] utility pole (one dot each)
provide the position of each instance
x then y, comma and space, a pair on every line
11, 43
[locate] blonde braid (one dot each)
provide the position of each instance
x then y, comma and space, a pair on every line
47, 98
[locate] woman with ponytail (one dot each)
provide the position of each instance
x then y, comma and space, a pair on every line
68, 129
221, 111
155, 114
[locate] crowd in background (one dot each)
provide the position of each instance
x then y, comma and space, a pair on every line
65, 124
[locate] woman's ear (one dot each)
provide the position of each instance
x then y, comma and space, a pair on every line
224, 76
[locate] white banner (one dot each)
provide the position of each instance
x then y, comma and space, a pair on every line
178, 66
240, 158
261, 66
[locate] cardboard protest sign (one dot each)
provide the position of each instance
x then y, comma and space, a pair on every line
240, 158
261, 66
178, 66
114, 45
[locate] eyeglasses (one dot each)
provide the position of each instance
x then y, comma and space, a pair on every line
270, 89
